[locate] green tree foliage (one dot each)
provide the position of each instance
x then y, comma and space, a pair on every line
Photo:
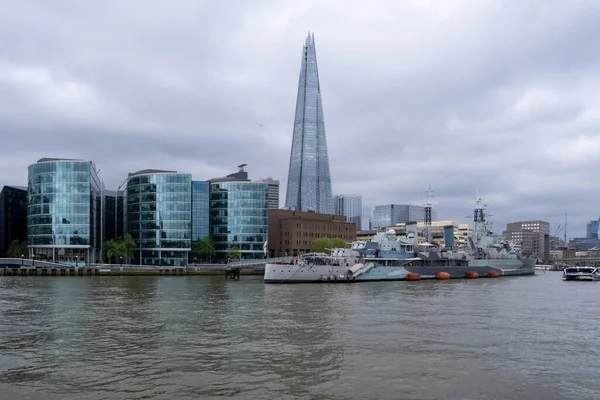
129, 245
234, 253
17, 249
325, 244
339, 243
321, 245
115, 249
205, 249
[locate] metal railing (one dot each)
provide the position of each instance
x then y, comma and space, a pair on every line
258, 262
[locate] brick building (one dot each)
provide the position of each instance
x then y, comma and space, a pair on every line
292, 232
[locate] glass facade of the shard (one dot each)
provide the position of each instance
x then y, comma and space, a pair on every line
309, 180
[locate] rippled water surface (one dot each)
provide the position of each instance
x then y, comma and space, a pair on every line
202, 337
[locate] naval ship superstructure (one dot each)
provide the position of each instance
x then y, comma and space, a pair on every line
484, 256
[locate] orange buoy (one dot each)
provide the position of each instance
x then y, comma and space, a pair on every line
493, 274
443, 275
472, 275
411, 276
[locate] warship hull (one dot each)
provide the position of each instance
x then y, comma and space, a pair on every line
374, 271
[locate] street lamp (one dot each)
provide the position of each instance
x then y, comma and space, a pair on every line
22, 259
121, 259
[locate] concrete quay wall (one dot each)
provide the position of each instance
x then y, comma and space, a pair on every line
111, 270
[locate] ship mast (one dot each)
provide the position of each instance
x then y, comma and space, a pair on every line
427, 208
480, 226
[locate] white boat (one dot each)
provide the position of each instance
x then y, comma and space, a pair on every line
581, 274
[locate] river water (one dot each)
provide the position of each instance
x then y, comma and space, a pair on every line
202, 337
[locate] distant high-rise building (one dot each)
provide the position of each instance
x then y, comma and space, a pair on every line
533, 236
273, 191
13, 216
392, 214
592, 229
309, 180
350, 206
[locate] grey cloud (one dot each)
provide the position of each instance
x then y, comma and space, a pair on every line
496, 96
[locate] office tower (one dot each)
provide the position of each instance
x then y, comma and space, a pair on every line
64, 211
533, 236
309, 180
238, 215
13, 217
350, 206
273, 191
158, 216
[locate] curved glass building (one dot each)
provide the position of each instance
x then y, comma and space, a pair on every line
157, 208
238, 217
63, 211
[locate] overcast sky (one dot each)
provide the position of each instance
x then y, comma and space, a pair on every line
499, 96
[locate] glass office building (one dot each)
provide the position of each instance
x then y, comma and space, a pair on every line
309, 180
158, 215
200, 210
238, 217
63, 212
350, 206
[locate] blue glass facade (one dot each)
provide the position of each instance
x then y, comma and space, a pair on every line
63, 212
200, 210
309, 180
158, 215
238, 217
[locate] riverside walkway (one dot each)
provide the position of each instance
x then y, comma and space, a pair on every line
28, 267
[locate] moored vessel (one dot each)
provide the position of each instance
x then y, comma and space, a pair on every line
485, 256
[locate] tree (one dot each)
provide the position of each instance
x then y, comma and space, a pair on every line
129, 247
205, 248
321, 245
234, 253
17, 249
114, 249
338, 243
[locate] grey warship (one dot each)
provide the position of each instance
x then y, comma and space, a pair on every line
485, 256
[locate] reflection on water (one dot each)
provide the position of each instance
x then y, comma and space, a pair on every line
197, 337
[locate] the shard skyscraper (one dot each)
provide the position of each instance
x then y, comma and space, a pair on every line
309, 181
